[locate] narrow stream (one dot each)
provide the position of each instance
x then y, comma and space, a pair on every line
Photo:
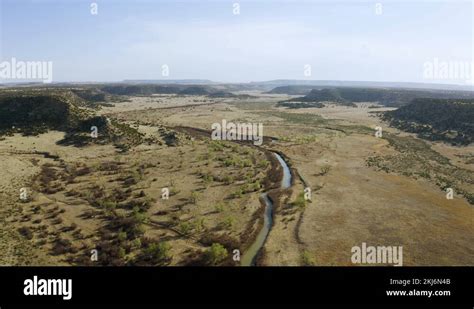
250, 256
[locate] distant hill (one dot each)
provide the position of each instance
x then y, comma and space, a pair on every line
387, 97
195, 90
360, 84
36, 112
150, 89
262, 85
293, 90
297, 105
324, 95
225, 94
170, 81
222, 94
450, 120
91, 94
317, 97
142, 89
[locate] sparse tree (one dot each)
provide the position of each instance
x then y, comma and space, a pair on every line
216, 254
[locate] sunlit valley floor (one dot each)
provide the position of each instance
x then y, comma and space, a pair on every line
384, 191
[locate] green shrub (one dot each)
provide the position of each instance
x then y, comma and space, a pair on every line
122, 236
208, 179
199, 225
121, 252
228, 222
185, 228
324, 170
307, 259
157, 253
263, 163
194, 198
239, 193
300, 201
216, 254
228, 179
219, 207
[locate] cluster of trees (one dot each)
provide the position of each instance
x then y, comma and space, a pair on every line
33, 114
149, 89
450, 120
394, 97
297, 105
91, 94
323, 95
36, 112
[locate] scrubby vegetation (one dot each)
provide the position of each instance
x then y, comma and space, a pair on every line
434, 119
35, 112
384, 96
300, 201
297, 105
307, 259
118, 210
415, 158
150, 89
92, 95
323, 95
216, 254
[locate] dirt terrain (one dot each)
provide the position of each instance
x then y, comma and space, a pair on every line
365, 188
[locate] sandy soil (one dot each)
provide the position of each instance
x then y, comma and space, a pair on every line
157, 101
176, 168
352, 203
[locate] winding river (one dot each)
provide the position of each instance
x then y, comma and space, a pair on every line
250, 256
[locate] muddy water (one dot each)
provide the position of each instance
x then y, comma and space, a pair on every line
250, 256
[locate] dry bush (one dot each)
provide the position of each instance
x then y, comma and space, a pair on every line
62, 246
83, 171
57, 221
26, 232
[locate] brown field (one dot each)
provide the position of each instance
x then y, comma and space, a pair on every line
381, 191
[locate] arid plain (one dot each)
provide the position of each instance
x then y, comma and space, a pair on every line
384, 191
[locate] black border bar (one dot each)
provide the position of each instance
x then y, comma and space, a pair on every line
239, 285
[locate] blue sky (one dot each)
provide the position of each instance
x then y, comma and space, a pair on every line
341, 40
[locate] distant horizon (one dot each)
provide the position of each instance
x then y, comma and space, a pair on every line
278, 82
